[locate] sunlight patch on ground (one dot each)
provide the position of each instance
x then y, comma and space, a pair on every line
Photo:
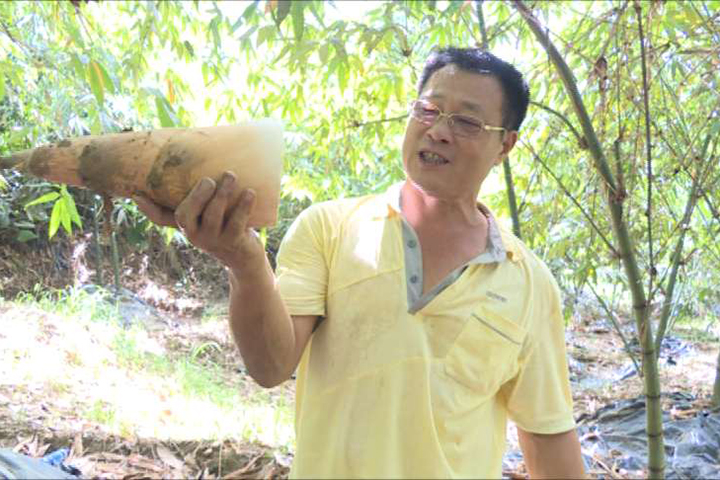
93, 371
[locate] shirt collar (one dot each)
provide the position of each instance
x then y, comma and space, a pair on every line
500, 240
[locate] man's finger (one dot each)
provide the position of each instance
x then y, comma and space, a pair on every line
237, 223
155, 213
214, 214
187, 214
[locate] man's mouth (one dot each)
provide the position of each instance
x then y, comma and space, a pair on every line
431, 158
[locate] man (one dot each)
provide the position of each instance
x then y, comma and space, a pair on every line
417, 323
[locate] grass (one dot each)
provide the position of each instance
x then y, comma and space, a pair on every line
134, 381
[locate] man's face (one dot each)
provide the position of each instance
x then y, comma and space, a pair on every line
446, 165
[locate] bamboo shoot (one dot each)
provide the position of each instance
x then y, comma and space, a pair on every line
165, 164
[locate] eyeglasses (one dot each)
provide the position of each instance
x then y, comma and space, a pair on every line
460, 125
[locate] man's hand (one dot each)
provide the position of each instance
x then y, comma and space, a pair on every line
210, 223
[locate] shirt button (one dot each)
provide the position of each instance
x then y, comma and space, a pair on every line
412, 243
414, 279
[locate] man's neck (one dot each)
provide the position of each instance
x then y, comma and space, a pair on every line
423, 210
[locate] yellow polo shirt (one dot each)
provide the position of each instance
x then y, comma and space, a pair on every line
386, 393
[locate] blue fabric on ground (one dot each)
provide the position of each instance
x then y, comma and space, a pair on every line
14, 466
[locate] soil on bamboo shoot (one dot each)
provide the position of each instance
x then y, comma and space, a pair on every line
165, 164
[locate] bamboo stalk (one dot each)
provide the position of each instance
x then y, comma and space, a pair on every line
481, 24
648, 149
512, 200
716, 387
654, 427
507, 171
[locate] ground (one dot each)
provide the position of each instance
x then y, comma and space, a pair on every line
150, 384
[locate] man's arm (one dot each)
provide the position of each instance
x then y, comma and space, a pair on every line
270, 341
552, 456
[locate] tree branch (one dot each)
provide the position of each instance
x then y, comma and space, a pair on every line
571, 197
677, 254
619, 331
581, 140
356, 124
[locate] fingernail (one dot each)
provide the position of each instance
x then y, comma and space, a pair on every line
206, 184
248, 196
228, 179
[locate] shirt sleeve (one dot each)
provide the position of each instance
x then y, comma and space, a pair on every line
538, 398
302, 270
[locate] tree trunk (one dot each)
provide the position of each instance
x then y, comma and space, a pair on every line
654, 427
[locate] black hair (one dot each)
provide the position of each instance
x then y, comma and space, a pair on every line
475, 60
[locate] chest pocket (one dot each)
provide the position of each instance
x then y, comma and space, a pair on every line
485, 354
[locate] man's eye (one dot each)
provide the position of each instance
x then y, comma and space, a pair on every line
467, 122
429, 111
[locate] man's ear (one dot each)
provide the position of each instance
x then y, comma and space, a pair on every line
508, 144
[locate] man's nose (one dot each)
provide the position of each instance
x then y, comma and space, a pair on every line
440, 130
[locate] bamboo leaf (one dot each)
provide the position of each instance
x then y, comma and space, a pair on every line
189, 48
250, 11
78, 66
48, 197
108, 83
283, 8
298, 18
71, 207
323, 53
265, 33
55, 219
65, 215
166, 114
24, 236
96, 81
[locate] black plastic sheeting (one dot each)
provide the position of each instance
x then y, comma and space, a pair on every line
692, 446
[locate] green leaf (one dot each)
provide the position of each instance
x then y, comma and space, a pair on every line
298, 18
213, 27
2, 86
265, 33
25, 236
715, 128
65, 220
323, 52
189, 48
400, 90
55, 218
108, 84
96, 81
250, 11
78, 66
283, 8
166, 114
71, 207
48, 197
